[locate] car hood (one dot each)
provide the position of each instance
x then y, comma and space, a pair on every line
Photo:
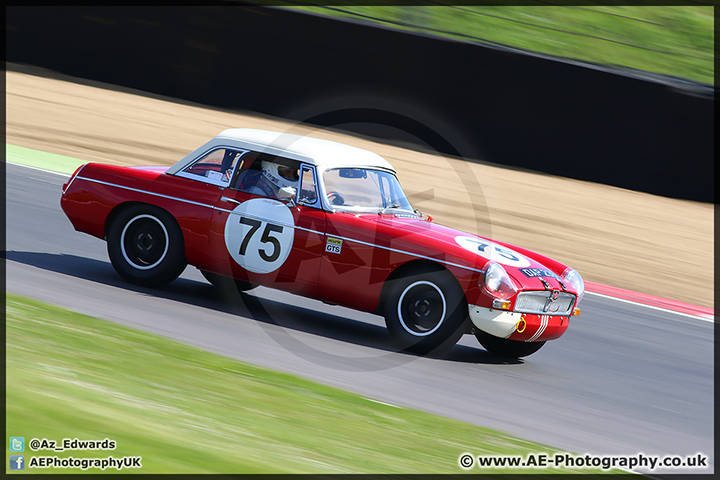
429, 239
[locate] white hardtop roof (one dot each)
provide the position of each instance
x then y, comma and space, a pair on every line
323, 153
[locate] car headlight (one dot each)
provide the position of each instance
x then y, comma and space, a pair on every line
497, 281
576, 281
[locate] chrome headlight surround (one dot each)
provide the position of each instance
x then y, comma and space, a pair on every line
572, 276
497, 282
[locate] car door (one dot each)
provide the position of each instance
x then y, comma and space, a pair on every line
259, 238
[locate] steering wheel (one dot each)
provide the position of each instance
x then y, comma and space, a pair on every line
308, 196
335, 198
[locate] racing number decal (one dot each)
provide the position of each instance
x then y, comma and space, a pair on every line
492, 251
273, 240
269, 227
259, 234
254, 225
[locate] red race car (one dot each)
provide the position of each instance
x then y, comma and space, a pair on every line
327, 221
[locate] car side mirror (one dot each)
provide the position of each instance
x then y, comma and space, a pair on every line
287, 194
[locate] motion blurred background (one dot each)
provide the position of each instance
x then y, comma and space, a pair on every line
674, 40
615, 95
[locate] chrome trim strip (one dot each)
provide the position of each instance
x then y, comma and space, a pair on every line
318, 202
289, 226
409, 253
73, 178
146, 192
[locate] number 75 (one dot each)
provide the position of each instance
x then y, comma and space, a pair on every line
265, 238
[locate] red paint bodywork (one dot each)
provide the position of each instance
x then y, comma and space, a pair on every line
374, 245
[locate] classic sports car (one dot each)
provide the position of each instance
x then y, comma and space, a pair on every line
327, 221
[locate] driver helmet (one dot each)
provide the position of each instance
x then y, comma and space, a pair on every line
280, 175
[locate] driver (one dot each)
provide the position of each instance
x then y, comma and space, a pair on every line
273, 177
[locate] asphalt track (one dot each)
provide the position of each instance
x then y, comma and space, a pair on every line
624, 379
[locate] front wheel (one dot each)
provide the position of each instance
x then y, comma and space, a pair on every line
425, 312
146, 246
505, 347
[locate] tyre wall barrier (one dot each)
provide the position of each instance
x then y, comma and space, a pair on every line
485, 103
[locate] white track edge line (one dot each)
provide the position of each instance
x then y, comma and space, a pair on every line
38, 168
699, 317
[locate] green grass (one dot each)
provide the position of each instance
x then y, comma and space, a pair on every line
671, 40
188, 411
39, 159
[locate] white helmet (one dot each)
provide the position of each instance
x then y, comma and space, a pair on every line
280, 175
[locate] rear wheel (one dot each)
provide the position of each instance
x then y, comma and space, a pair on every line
425, 312
505, 347
146, 246
226, 283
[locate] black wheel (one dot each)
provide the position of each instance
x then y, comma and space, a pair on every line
425, 312
146, 246
505, 347
226, 283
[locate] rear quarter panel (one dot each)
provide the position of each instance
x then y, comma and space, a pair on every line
99, 190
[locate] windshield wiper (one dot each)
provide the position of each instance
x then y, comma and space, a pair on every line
384, 210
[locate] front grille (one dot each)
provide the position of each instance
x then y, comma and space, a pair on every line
537, 302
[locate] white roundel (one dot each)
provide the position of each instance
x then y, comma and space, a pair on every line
259, 234
493, 251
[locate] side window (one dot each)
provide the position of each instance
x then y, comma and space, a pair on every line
215, 167
308, 187
264, 174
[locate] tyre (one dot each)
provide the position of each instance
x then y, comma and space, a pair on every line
425, 312
146, 246
505, 347
226, 283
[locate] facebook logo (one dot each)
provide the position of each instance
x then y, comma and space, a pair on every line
17, 462
17, 444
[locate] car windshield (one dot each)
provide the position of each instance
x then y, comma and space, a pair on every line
364, 190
